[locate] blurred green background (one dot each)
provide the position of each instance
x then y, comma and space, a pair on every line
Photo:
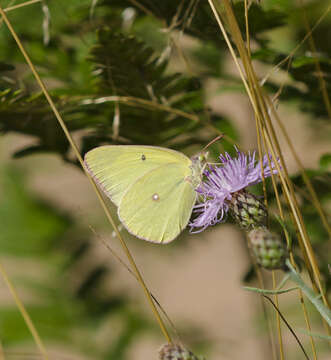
166, 68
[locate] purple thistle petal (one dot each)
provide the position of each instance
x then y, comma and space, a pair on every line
211, 213
222, 181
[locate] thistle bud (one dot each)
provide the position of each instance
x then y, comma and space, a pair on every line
247, 210
268, 249
176, 352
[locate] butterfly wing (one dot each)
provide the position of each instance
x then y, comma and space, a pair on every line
157, 207
116, 168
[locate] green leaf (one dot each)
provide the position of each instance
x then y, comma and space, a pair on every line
315, 335
325, 161
311, 295
29, 227
260, 20
269, 292
308, 60
6, 67
140, 75
209, 58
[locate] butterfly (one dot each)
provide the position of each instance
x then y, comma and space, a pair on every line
152, 187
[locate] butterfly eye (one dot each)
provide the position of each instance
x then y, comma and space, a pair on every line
143, 157
156, 197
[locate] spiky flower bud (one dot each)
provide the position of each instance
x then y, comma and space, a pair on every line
270, 252
176, 352
247, 210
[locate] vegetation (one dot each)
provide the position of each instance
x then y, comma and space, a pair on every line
139, 72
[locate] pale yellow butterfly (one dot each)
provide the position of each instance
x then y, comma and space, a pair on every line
153, 187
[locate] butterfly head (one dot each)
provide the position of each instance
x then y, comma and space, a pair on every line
199, 163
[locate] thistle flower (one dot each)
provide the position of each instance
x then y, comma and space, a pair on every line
176, 352
221, 189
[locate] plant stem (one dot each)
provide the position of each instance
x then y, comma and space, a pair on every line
97, 191
24, 314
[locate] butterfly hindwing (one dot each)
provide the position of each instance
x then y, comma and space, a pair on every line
157, 206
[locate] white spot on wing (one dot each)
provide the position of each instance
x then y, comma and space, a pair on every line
155, 197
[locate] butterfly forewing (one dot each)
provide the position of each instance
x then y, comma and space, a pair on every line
157, 206
116, 168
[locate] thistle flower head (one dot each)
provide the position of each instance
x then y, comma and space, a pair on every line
176, 352
222, 182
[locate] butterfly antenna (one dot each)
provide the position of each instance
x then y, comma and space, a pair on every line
213, 141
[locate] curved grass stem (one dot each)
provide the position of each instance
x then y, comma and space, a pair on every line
24, 314
97, 191
262, 113
257, 99
26, 3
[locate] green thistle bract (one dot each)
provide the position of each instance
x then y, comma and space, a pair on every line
247, 210
268, 249
176, 352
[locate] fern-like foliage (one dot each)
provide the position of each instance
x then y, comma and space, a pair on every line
156, 96
156, 108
